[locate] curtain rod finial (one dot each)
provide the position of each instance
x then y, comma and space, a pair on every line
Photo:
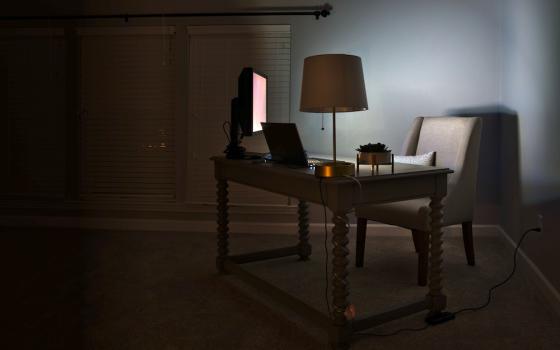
324, 12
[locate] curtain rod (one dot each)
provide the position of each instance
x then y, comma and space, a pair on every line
322, 12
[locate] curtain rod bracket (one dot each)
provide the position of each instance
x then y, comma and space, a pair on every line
323, 13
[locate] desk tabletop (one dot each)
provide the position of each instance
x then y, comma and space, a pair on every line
407, 182
365, 173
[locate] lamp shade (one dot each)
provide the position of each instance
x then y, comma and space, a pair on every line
333, 81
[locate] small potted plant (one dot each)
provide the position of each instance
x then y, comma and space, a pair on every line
374, 154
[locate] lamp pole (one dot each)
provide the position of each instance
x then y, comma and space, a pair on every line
334, 133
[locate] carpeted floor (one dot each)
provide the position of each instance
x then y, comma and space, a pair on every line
70, 289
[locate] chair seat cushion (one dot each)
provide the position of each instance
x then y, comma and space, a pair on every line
411, 214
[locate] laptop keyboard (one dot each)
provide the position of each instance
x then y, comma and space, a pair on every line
315, 161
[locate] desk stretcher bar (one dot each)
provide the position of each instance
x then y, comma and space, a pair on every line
280, 296
232, 265
264, 255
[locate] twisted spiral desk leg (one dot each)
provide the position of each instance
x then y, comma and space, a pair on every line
304, 247
223, 235
437, 299
339, 281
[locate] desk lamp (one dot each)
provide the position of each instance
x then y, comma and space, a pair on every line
333, 83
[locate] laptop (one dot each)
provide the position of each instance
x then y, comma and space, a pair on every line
285, 145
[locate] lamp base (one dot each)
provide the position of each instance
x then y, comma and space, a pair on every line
334, 169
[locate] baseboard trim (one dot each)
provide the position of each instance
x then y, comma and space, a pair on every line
547, 289
107, 223
155, 225
150, 224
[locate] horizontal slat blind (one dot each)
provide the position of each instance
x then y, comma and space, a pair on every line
128, 113
32, 126
216, 57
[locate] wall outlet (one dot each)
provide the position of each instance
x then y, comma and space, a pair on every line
540, 222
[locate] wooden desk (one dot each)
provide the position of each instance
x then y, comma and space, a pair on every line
340, 196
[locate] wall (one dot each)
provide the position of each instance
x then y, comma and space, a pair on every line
531, 86
421, 57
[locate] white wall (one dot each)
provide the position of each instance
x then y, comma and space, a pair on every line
420, 57
531, 86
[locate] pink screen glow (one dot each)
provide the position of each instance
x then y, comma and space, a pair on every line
259, 101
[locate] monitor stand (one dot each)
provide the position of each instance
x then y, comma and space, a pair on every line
234, 150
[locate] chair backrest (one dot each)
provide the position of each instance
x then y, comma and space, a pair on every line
456, 141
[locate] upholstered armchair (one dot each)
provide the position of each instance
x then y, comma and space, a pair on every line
455, 141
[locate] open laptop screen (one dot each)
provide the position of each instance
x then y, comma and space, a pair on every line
284, 143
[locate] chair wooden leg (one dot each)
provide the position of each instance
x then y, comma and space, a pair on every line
360, 241
415, 238
422, 246
468, 242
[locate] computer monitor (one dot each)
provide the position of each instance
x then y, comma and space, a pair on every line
252, 88
248, 110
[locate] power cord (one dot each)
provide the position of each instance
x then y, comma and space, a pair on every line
447, 316
326, 238
326, 247
224, 129
353, 178
480, 307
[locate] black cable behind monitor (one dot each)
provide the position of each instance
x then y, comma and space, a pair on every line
234, 150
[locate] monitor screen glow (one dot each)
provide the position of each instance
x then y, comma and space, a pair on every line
259, 101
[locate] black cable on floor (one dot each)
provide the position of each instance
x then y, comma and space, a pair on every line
365, 334
476, 308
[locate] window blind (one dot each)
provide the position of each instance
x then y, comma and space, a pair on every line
217, 54
127, 113
32, 127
